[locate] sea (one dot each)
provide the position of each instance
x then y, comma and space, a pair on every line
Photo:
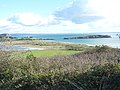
112, 42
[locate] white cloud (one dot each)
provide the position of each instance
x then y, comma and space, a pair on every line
8, 27
109, 9
99, 15
4, 23
79, 16
105, 7
28, 19
78, 12
32, 19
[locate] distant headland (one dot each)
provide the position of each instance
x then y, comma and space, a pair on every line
6, 36
89, 37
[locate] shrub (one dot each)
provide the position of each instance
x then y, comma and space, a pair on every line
91, 70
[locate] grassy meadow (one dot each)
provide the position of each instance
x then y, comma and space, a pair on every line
49, 53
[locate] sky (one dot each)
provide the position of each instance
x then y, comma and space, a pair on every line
59, 16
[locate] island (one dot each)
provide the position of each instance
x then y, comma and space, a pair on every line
89, 37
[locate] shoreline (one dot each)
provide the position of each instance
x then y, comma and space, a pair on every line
40, 45
18, 47
8, 46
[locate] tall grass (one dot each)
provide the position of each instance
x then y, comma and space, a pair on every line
95, 69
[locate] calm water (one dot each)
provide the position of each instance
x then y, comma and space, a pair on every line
113, 42
17, 47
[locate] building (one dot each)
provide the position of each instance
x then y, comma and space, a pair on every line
5, 36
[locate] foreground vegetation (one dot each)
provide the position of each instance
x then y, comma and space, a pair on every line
94, 69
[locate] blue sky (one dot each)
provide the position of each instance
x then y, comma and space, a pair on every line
59, 16
42, 7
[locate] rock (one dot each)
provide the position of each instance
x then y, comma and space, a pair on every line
90, 36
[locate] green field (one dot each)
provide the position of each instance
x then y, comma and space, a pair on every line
48, 53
